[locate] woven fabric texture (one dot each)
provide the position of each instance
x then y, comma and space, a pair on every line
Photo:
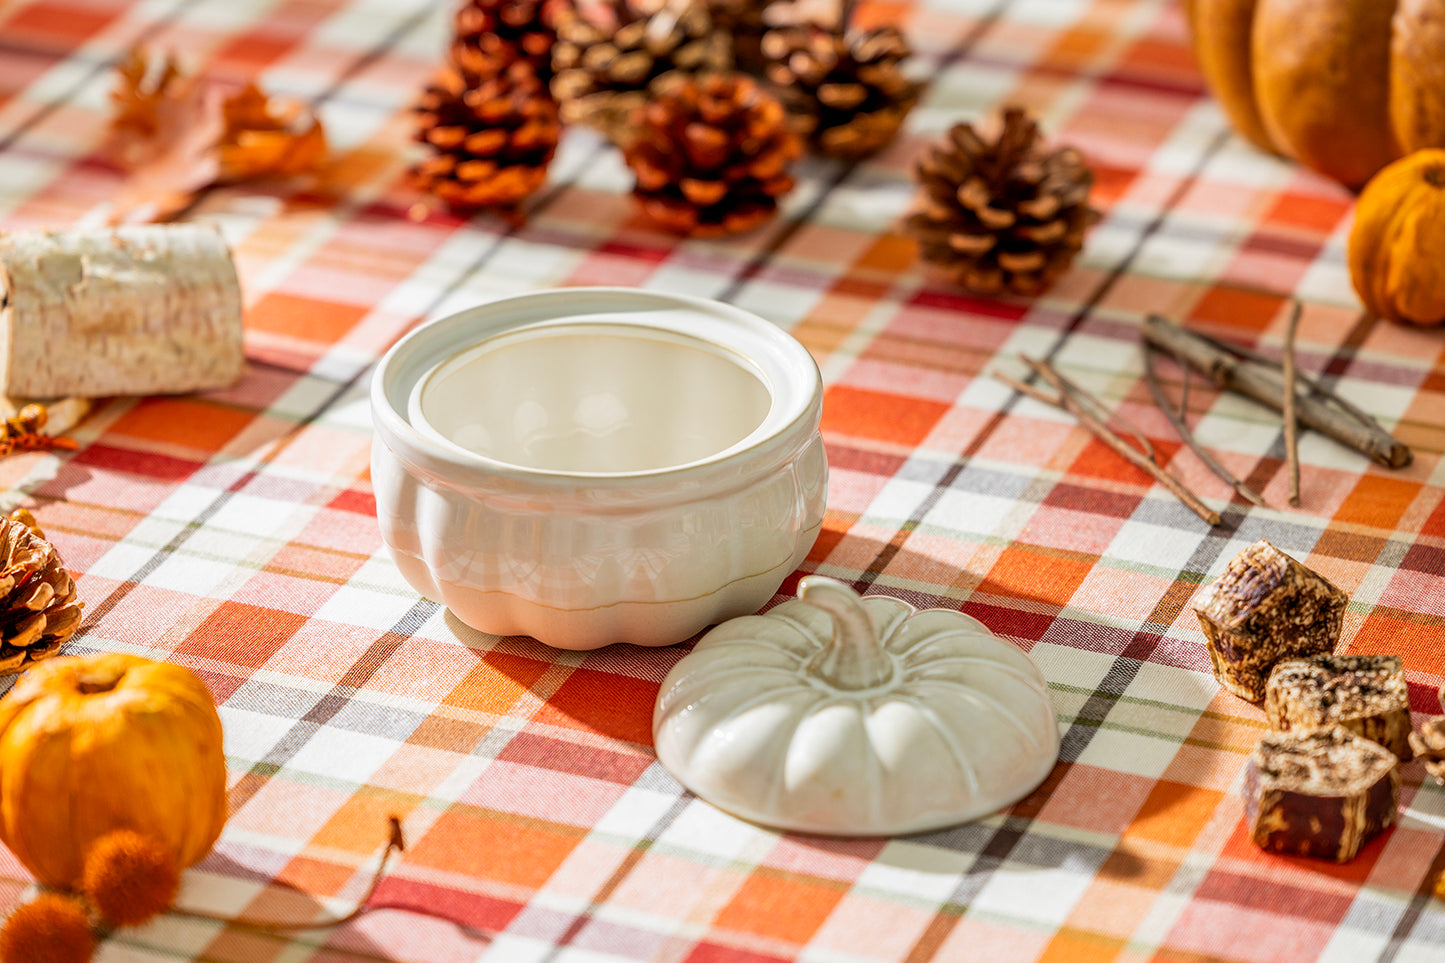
234, 531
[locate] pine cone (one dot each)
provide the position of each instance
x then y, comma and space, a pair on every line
1429, 745
846, 94
1005, 215
39, 609
494, 136
742, 20
608, 57
490, 33
711, 155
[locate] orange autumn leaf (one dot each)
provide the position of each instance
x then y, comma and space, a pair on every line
174, 158
178, 134
264, 138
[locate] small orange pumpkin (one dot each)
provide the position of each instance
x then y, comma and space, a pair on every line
1397, 245
1343, 86
92, 744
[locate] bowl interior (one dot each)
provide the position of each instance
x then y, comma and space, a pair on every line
592, 398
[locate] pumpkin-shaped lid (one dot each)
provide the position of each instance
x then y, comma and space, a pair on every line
855, 716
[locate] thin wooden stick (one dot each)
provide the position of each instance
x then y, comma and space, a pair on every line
1027, 389
1068, 400
395, 843
1176, 418
1260, 381
1101, 413
1289, 399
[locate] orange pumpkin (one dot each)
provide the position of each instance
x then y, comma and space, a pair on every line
1397, 245
1343, 86
91, 744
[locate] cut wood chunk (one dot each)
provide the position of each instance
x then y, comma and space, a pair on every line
1364, 693
1322, 793
153, 309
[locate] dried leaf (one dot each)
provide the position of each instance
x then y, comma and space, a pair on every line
183, 159
178, 134
142, 87
267, 139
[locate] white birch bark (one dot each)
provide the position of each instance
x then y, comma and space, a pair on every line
149, 309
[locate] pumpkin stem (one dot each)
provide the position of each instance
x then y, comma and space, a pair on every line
855, 659
1435, 175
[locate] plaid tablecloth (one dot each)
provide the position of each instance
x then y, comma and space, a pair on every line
233, 531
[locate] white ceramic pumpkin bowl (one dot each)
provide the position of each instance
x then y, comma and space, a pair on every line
854, 716
598, 465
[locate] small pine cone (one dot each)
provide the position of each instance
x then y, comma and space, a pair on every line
39, 610
493, 134
711, 155
1002, 216
1429, 745
491, 30
847, 94
608, 57
742, 20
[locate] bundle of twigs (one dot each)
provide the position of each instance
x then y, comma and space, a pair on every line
1302, 400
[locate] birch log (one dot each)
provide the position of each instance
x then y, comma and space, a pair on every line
150, 309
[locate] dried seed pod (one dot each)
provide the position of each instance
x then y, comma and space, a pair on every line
494, 136
38, 605
847, 94
488, 31
1263, 608
1429, 746
609, 55
711, 155
1322, 793
1365, 694
1001, 215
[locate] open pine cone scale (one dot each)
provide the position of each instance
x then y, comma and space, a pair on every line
494, 136
38, 605
609, 55
846, 93
711, 154
1001, 216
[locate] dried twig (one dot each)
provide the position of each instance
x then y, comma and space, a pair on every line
1085, 407
1289, 399
1259, 379
394, 843
1094, 406
1176, 418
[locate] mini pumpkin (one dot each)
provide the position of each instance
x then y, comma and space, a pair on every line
855, 716
1343, 86
92, 744
1397, 244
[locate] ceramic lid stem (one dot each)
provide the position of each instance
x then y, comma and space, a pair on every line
855, 659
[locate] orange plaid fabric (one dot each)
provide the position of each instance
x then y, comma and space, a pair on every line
234, 531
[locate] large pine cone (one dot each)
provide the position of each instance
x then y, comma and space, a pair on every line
490, 33
39, 610
494, 136
609, 55
1002, 216
711, 155
847, 94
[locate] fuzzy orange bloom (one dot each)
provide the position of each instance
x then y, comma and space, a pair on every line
130, 878
48, 929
